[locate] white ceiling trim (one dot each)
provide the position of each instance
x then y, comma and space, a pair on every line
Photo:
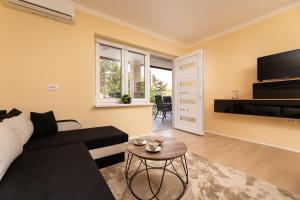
247, 23
125, 23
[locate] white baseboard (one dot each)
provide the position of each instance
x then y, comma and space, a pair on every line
253, 141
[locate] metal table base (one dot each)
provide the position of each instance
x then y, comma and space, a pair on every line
129, 178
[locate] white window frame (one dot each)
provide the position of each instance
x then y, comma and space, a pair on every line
124, 72
147, 74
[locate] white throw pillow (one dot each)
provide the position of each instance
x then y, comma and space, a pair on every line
21, 125
10, 148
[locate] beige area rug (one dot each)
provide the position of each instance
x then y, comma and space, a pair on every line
207, 181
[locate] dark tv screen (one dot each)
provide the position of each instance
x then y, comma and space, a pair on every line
279, 66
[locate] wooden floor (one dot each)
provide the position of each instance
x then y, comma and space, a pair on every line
279, 167
159, 125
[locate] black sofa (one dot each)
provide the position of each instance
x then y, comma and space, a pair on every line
93, 138
60, 166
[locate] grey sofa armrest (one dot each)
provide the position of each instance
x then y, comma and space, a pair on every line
66, 125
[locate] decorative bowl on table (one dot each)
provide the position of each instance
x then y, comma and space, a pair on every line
159, 141
153, 147
140, 141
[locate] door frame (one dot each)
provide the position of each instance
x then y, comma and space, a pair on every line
200, 53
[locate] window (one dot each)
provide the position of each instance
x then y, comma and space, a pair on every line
136, 75
110, 72
121, 70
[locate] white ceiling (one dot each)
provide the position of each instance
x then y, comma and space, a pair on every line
185, 21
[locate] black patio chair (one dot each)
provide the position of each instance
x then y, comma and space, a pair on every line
168, 102
161, 107
167, 99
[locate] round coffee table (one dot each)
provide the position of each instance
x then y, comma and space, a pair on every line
171, 149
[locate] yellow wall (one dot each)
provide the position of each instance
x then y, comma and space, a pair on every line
36, 51
231, 65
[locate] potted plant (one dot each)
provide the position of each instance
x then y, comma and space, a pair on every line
126, 99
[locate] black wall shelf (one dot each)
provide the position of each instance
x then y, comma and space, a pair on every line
289, 108
288, 89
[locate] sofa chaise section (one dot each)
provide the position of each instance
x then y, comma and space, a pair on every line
106, 144
64, 172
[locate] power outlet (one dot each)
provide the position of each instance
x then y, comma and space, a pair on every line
291, 121
52, 87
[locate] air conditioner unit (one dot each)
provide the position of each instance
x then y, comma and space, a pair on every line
61, 10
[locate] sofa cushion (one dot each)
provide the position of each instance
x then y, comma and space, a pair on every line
21, 125
66, 172
13, 113
44, 124
3, 112
10, 148
92, 137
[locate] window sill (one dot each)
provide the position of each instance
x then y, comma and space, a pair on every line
108, 105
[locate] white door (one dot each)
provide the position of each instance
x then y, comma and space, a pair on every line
188, 95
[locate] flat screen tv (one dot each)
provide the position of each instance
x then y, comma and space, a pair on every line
279, 66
